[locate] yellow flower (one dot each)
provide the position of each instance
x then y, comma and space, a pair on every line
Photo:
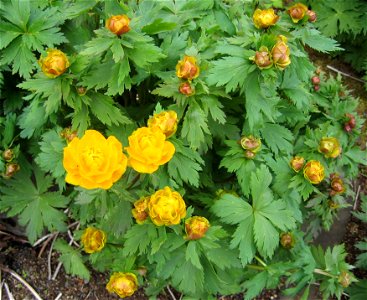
196, 227
123, 284
118, 24
314, 171
166, 207
140, 210
337, 185
187, 68
186, 89
148, 149
166, 121
330, 147
297, 12
264, 18
251, 143
280, 53
93, 240
93, 161
297, 163
54, 64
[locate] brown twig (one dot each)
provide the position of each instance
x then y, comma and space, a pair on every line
22, 281
58, 296
171, 293
345, 74
7, 290
44, 245
356, 198
49, 257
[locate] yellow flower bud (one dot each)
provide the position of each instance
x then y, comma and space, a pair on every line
196, 227
297, 12
251, 143
337, 185
118, 24
166, 207
332, 204
187, 68
287, 240
312, 16
280, 53
345, 279
166, 121
140, 210
314, 171
148, 149
93, 240
123, 284
297, 163
8, 154
264, 18
54, 64
186, 89
11, 169
330, 147
262, 58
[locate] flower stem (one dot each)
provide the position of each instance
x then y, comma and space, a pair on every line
255, 267
323, 272
261, 261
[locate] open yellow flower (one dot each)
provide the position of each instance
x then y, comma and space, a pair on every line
314, 171
166, 207
165, 121
297, 12
330, 147
140, 209
54, 64
94, 161
148, 149
123, 284
264, 18
93, 240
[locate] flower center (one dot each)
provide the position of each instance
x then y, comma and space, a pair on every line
93, 157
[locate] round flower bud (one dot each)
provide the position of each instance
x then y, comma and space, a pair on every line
249, 154
8, 155
148, 149
351, 120
166, 207
345, 279
287, 240
264, 18
187, 68
316, 87
332, 204
68, 134
54, 64
94, 161
196, 227
140, 209
118, 24
337, 185
280, 53
250, 143
81, 90
11, 169
330, 147
312, 16
297, 12
93, 240
166, 121
297, 163
315, 80
123, 284
262, 58
186, 89
314, 171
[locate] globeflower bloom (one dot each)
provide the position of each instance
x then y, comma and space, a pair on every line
297, 163
280, 53
54, 64
330, 147
140, 209
337, 185
118, 24
297, 12
123, 284
166, 121
187, 68
314, 171
185, 88
148, 149
250, 143
166, 207
196, 227
93, 240
264, 18
262, 58
94, 161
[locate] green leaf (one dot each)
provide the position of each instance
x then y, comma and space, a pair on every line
278, 138
223, 257
193, 254
185, 165
314, 39
358, 291
212, 105
265, 235
243, 239
158, 26
118, 220
255, 285
138, 238
71, 259
188, 278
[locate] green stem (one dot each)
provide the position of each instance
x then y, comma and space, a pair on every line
323, 272
261, 261
255, 267
136, 178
